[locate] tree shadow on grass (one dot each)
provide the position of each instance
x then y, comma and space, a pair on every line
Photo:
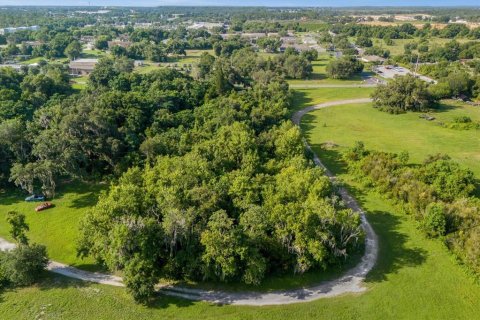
331, 158
92, 267
299, 101
393, 253
162, 301
85, 200
11, 196
318, 76
308, 124
328, 152
86, 193
443, 107
51, 281
476, 192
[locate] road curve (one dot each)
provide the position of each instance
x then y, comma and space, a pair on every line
349, 282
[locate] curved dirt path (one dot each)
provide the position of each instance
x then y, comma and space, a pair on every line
72, 272
349, 282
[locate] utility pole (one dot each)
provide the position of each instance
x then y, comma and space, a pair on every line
416, 65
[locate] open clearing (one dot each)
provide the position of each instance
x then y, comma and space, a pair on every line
319, 75
313, 96
344, 125
57, 228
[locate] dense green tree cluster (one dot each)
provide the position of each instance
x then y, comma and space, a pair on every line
245, 64
433, 54
227, 193
404, 31
246, 24
114, 123
344, 67
22, 94
403, 94
100, 131
146, 51
377, 51
364, 42
269, 44
214, 181
454, 79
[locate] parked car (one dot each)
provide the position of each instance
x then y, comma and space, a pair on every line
44, 206
35, 197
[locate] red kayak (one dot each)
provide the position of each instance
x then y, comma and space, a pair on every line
44, 206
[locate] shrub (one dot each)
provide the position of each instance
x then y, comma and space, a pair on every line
434, 222
23, 265
462, 119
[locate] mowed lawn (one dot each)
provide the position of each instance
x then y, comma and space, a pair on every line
344, 125
307, 97
56, 228
191, 59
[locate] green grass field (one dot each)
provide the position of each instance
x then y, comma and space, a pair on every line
308, 97
79, 83
191, 58
319, 75
93, 54
343, 125
57, 228
32, 60
147, 67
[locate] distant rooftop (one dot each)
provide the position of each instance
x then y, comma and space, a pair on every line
86, 61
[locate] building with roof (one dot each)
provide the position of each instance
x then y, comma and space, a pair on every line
124, 44
81, 67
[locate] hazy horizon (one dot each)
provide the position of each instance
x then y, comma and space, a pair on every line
267, 3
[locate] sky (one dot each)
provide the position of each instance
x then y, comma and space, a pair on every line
271, 3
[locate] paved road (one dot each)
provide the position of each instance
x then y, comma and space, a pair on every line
350, 282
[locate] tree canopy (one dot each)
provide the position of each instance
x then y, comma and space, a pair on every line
344, 68
403, 94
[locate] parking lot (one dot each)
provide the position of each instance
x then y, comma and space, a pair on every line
389, 72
